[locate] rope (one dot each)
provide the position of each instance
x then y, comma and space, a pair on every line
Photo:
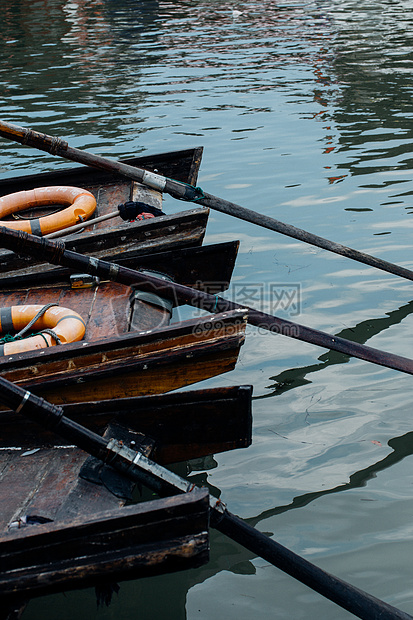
34, 319
44, 338
23, 332
7, 338
198, 193
192, 193
17, 216
51, 333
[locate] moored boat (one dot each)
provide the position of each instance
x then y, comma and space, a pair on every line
55, 499
107, 237
113, 359
129, 364
141, 540
63, 516
116, 358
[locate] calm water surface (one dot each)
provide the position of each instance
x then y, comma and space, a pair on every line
305, 112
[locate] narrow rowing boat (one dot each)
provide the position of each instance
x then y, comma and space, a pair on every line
106, 237
63, 515
123, 353
64, 521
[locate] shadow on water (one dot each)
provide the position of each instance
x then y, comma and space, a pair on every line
53, 54
402, 447
361, 333
227, 555
369, 54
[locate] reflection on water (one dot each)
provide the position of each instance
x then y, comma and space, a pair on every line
372, 59
401, 446
304, 110
361, 333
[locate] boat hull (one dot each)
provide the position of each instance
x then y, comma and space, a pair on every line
115, 236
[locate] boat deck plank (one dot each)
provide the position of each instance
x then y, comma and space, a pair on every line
186, 229
104, 308
46, 484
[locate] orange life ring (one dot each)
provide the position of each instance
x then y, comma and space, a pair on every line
66, 324
82, 205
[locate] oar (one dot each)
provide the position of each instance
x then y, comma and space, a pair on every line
182, 191
137, 467
55, 252
77, 227
128, 211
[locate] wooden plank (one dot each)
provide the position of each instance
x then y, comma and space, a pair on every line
132, 364
19, 482
184, 425
110, 191
46, 482
184, 229
152, 375
145, 539
28, 484
208, 267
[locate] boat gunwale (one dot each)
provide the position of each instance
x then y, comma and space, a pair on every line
98, 174
130, 339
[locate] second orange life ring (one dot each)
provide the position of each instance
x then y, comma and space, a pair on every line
66, 324
82, 205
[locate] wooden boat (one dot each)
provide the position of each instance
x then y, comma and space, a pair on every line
129, 350
129, 364
112, 349
75, 531
142, 540
183, 425
210, 265
90, 538
114, 236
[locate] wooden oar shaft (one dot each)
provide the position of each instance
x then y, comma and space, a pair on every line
57, 146
270, 223
139, 468
55, 252
77, 227
181, 191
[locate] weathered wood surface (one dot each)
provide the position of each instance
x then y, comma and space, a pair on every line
208, 266
46, 483
71, 550
131, 364
183, 425
145, 539
182, 165
184, 229
39, 473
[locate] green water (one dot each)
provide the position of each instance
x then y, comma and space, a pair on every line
305, 113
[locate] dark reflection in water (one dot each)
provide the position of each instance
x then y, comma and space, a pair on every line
372, 63
361, 333
104, 72
80, 53
402, 447
229, 556
71, 63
